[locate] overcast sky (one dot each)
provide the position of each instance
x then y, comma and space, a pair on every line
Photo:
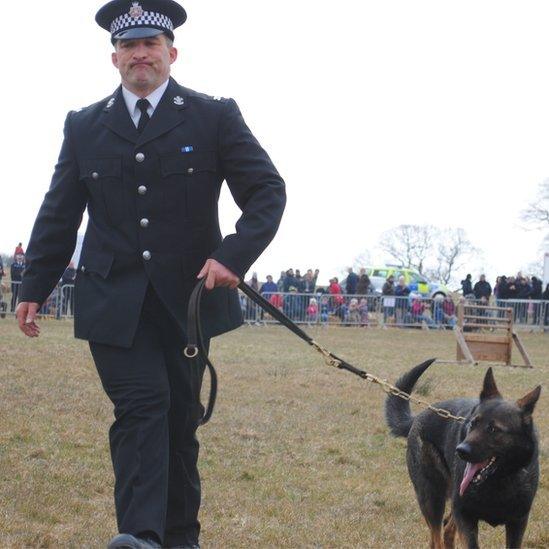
375, 113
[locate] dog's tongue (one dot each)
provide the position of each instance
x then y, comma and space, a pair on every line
470, 471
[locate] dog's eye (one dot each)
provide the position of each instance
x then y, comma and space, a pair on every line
492, 428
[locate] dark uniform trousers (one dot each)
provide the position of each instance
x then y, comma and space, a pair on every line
155, 391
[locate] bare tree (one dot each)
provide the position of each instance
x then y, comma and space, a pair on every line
453, 249
536, 215
409, 245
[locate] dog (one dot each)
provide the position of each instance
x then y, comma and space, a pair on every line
487, 466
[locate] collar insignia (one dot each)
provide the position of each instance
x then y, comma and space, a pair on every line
178, 100
110, 103
136, 11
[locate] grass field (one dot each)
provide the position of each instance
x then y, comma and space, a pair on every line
297, 454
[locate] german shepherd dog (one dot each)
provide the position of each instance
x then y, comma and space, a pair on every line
487, 466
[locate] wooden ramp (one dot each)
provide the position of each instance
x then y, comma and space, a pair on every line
486, 333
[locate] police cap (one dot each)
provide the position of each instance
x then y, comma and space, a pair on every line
127, 19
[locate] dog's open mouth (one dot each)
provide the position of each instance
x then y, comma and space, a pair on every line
477, 473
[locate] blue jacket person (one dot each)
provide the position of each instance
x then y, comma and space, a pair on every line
148, 162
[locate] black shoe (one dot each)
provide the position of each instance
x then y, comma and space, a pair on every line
127, 541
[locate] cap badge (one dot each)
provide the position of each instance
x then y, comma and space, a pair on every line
136, 11
178, 100
110, 103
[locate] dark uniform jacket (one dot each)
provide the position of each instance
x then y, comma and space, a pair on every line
153, 217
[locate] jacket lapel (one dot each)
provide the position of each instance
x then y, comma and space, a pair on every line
117, 118
168, 114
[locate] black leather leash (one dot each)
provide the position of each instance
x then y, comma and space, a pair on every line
195, 350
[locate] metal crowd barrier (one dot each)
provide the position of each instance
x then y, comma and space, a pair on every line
412, 311
60, 303
326, 309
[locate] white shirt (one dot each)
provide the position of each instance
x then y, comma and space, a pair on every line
154, 98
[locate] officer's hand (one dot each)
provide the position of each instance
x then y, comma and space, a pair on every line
26, 314
218, 275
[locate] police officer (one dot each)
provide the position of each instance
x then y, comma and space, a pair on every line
148, 162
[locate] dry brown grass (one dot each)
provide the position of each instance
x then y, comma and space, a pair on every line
297, 454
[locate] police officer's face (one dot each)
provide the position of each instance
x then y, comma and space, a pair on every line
144, 64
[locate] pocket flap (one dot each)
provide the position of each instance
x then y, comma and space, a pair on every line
96, 168
96, 262
188, 163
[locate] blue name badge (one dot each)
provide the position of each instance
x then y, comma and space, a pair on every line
187, 149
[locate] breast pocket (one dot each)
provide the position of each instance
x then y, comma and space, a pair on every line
103, 178
190, 184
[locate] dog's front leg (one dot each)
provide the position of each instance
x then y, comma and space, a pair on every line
468, 531
514, 532
449, 532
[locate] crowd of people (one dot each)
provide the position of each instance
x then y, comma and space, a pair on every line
352, 301
505, 287
16, 268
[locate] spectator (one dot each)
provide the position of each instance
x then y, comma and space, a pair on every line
289, 281
402, 291
268, 288
512, 291
467, 287
309, 283
352, 282
251, 307
299, 281
354, 313
438, 312
419, 313
482, 289
449, 311
537, 288
1, 269
388, 292
363, 309
524, 290
545, 297
280, 283
312, 311
501, 290
291, 304
67, 285
364, 285
254, 283
16, 272
536, 294
337, 300
19, 250
324, 309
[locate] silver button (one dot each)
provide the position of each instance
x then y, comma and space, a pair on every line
140, 157
142, 189
95, 175
144, 223
190, 171
83, 269
147, 255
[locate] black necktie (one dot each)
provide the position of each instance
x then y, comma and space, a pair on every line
143, 105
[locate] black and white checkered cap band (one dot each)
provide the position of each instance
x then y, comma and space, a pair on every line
147, 19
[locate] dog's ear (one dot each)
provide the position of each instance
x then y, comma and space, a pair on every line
489, 389
528, 402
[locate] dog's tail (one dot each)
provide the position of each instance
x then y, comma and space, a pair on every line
397, 410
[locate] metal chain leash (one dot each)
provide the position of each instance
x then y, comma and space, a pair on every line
331, 360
